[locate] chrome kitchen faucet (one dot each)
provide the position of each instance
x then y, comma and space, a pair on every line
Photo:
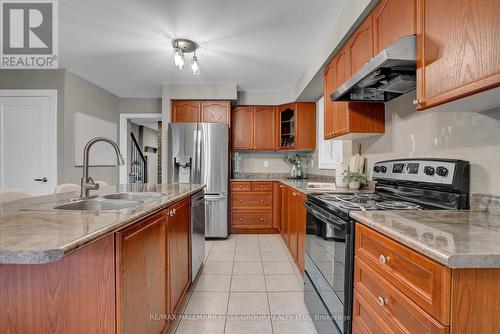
87, 183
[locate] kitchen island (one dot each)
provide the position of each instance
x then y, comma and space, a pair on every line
94, 271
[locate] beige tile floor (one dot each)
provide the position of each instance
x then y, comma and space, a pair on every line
249, 284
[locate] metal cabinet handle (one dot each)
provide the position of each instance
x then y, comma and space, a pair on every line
175, 211
43, 179
383, 259
241, 201
262, 201
261, 219
416, 102
241, 219
294, 193
382, 301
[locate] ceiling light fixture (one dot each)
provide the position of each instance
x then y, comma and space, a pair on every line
195, 67
181, 47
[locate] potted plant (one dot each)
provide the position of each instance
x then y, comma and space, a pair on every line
355, 179
294, 160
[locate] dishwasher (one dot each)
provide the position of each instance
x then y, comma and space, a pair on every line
197, 233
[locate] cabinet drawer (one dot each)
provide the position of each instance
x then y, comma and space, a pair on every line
424, 281
245, 201
366, 320
255, 219
241, 186
386, 300
262, 186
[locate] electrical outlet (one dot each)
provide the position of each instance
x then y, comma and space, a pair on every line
266, 164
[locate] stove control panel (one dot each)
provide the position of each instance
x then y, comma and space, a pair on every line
432, 171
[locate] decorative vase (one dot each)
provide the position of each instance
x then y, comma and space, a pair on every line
299, 171
354, 185
339, 177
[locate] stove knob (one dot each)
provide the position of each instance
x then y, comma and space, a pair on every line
428, 170
376, 169
442, 171
383, 169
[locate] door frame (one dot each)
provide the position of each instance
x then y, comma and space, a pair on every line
123, 140
52, 95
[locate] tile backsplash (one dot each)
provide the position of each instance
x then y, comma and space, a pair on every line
254, 162
468, 135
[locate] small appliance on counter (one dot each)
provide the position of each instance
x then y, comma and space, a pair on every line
407, 184
199, 153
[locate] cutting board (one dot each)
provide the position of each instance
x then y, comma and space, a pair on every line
357, 162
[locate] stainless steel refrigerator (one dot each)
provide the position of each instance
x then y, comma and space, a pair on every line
198, 153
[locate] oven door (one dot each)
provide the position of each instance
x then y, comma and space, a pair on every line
328, 267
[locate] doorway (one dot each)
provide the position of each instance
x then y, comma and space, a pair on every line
28, 140
140, 143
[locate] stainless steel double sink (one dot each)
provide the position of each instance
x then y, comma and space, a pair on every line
111, 202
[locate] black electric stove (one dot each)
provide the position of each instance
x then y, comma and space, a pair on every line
409, 184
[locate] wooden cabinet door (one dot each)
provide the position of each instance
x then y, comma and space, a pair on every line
178, 252
301, 231
458, 53
306, 126
141, 276
286, 126
360, 46
264, 128
285, 214
215, 111
277, 205
393, 19
329, 108
186, 111
292, 239
242, 128
341, 109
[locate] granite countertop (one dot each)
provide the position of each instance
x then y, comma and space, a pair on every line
456, 239
297, 184
35, 237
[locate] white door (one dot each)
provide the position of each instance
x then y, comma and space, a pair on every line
27, 142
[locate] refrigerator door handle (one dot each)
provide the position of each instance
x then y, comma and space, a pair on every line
196, 178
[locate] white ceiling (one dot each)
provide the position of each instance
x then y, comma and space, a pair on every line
124, 46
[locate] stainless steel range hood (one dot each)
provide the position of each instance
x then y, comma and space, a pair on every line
389, 74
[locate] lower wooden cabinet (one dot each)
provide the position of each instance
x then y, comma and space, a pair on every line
141, 275
152, 275
252, 207
178, 253
293, 223
398, 290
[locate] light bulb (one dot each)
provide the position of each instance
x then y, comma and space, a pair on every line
178, 58
195, 67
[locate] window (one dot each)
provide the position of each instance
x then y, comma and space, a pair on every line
329, 151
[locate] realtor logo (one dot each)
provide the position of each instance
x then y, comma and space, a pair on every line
28, 34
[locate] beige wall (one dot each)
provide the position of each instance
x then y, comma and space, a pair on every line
140, 106
469, 134
84, 97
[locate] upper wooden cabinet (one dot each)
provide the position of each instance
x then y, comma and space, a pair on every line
360, 46
242, 128
329, 107
296, 126
215, 111
458, 49
186, 111
392, 19
263, 128
201, 111
286, 127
